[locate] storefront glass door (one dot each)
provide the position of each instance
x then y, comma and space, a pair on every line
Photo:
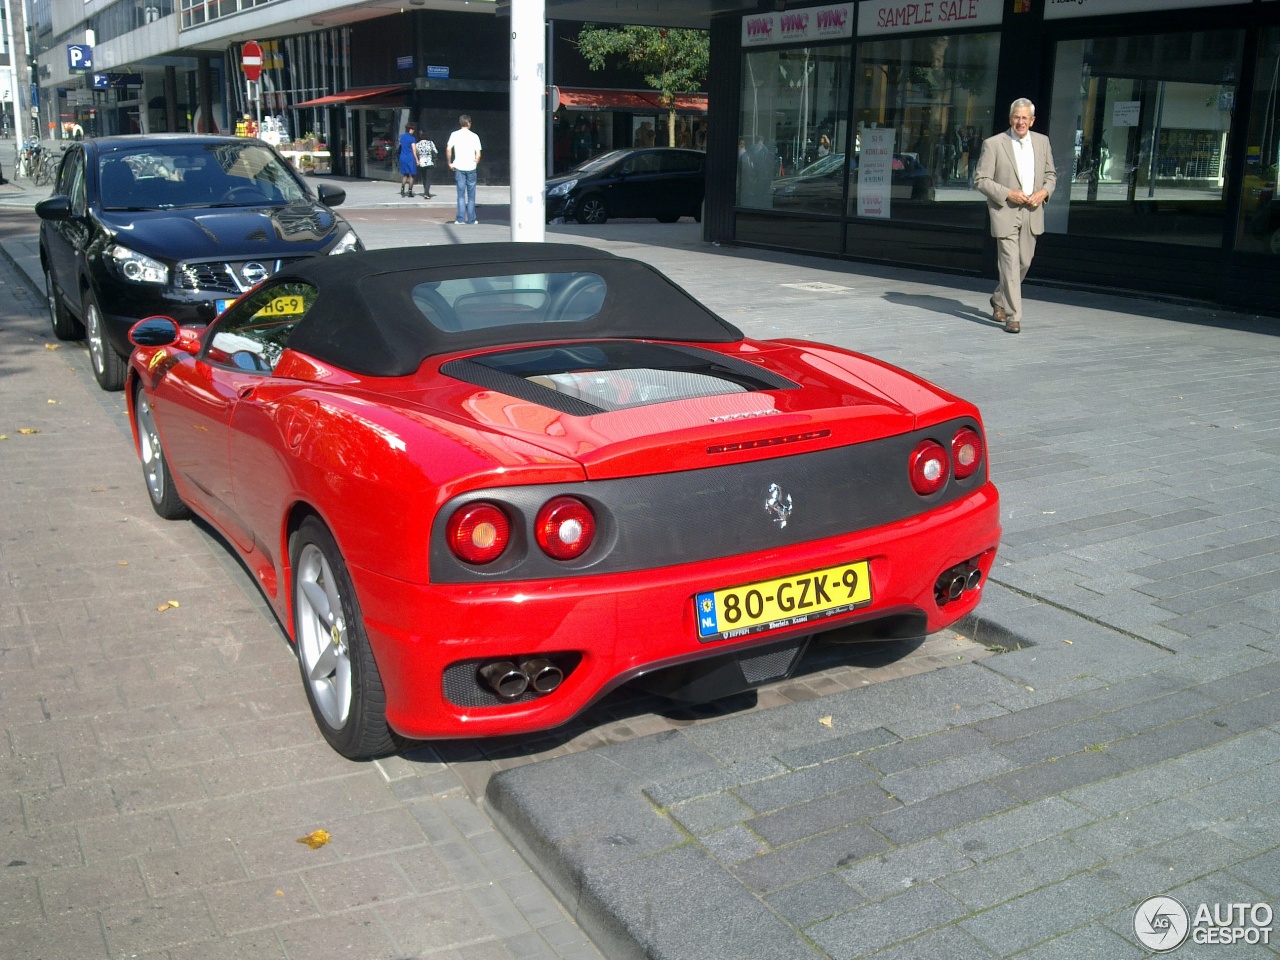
1140, 132
380, 138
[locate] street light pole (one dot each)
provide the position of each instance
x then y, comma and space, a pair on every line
528, 120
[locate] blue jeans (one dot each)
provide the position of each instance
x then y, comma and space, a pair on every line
466, 181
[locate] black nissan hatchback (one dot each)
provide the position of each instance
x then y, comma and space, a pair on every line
172, 224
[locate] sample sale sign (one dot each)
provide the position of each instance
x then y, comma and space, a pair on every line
904, 16
875, 173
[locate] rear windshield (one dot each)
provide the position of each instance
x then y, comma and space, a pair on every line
164, 176
477, 303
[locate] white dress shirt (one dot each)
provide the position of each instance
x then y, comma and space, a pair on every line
1026, 160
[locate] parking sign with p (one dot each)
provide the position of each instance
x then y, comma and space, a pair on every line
79, 57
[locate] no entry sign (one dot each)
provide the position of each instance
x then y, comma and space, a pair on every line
251, 60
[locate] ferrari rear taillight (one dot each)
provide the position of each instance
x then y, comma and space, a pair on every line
478, 533
928, 467
966, 452
564, 528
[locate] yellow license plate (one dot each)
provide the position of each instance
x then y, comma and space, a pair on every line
785, 602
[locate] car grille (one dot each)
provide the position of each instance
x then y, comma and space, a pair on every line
234, 276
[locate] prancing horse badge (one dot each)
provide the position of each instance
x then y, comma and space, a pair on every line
778, 505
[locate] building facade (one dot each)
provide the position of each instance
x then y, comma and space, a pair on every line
852, 129
338, 83
848, 129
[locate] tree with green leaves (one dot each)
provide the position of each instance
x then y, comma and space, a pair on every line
673, 61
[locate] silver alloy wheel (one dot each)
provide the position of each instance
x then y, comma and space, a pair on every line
95, 336
594, 210
322, 636
153, 468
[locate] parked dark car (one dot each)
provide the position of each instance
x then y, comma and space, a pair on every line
662, 182
179, 225
819, 187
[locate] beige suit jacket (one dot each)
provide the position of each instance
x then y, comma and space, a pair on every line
997, 174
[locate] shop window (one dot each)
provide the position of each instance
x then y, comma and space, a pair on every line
922, 107
1258, 224
793, 129
1140, 133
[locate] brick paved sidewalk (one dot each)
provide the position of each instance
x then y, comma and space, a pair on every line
158, 766
1008, 807
1022, 806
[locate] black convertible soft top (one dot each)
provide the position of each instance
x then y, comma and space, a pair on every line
364, 318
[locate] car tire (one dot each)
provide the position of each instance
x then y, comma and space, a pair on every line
108, 366
339, 672
592, 209
64, 325
165, 499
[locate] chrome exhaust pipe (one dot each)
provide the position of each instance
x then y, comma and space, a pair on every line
975, 579
543, 675
504, 678
955, 586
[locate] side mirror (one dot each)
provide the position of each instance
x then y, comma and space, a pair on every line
154, 332
330, 195
56, 207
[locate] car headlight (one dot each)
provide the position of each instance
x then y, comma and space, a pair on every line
560, 189
134, 266
348, 244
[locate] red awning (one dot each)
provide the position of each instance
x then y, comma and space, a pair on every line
579, 98
359, 95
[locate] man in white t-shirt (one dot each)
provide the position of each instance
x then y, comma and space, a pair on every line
463, 154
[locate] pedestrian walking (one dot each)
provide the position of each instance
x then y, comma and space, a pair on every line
426, 152
1015, 173
463, 154
408, 160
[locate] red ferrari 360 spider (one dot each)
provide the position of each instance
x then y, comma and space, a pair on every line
484, 485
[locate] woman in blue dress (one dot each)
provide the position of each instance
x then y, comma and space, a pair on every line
408, 160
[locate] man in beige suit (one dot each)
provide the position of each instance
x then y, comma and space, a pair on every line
1015, 173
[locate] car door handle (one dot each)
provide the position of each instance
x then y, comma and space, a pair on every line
246, 392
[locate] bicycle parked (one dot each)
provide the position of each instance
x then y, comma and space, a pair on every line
36, 162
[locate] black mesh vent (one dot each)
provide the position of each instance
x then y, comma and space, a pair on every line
774, 665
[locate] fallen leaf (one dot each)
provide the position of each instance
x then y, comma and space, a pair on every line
122, 563
51, 400
826, 722
279, 893
28, 430
4, 436
53, 346
315, 840
1068, 642
168, 604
